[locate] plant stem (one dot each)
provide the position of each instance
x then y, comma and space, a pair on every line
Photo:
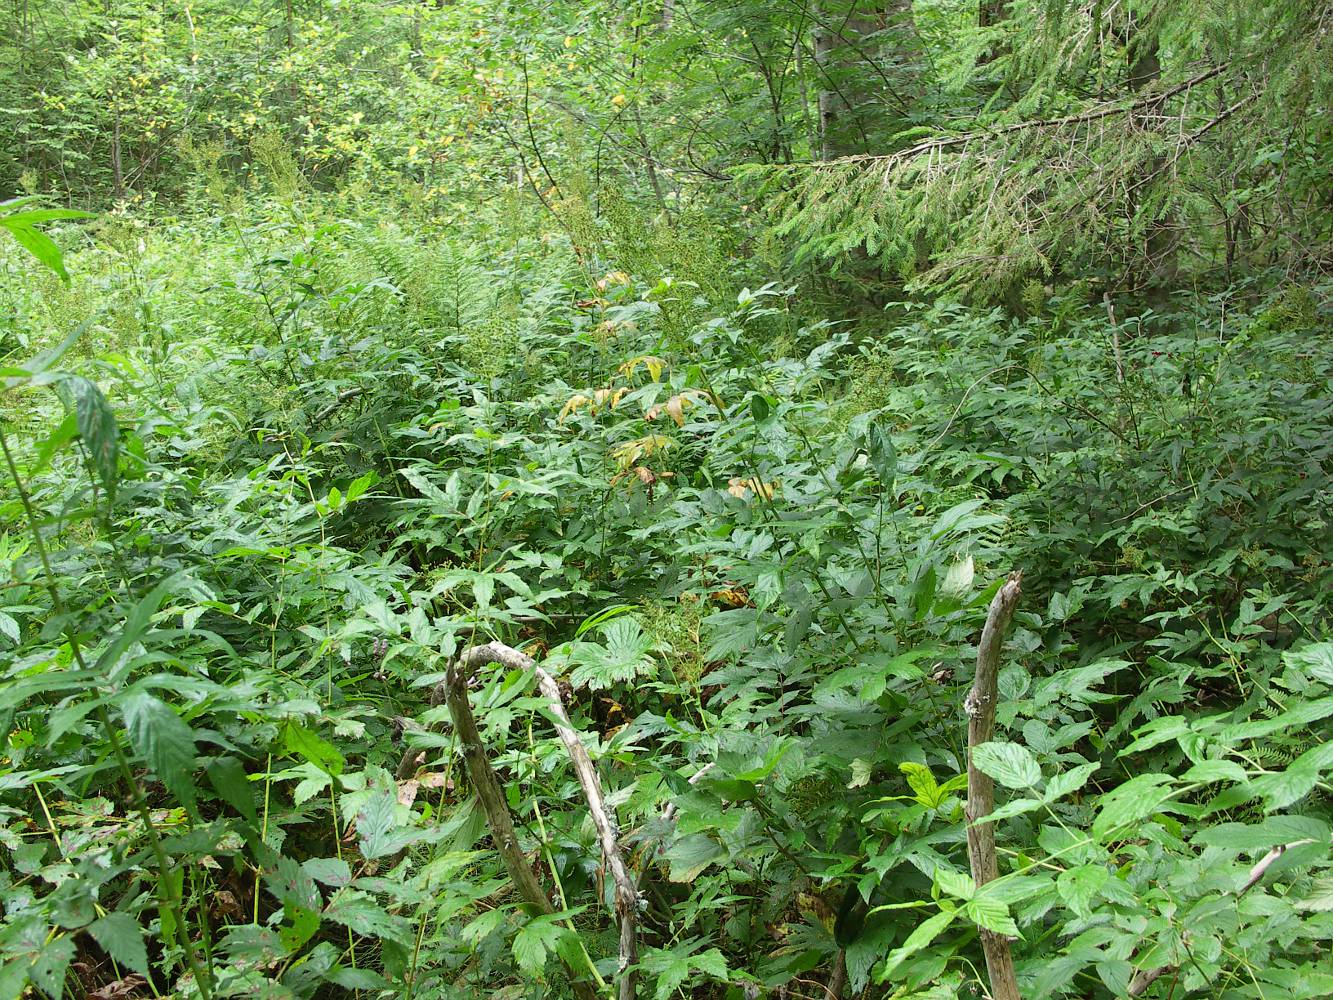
166, 892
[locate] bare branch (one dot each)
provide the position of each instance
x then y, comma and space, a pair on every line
627, 896
980, 707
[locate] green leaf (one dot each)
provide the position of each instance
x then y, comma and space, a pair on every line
1257, 837
378, 828
1316, 660
882, 454
363, 915
162, 739
136, 623
689, 856
991, 913
291, 885
1209, 771
954, 883
48, 972
1078, 887
1014, 807
1138, 798
120, 936
97, 426
38, 244
310, 746
925, 932
1320, 899
1008, 763
922, 782
229, 780
1297, 781
299, 926
531, 944
1068, 782
759, 408
333, 872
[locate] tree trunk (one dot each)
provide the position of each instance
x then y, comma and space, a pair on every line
1159, 246
867, 55
990, 14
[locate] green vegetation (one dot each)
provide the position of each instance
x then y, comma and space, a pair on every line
503, 499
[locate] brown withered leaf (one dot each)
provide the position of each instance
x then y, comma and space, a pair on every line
121, 989
407, 791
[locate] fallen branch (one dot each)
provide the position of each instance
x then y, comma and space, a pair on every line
980, 707
497, 808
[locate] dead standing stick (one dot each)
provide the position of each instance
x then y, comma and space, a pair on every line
980, 707
626, 896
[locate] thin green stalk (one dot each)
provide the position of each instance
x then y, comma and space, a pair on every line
166, 893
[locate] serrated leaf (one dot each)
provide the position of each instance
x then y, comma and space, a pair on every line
861, 772
364, 916
1316, 660
954, 883
689, 856
926, 932
48, 972
1256, 837
922, 782
229, 780
991, 913
299, 926
334, 872
1068, 782
291, 885
162, 739
1209, 771
1297, 781
1138, 798
1320, 899
1078, 887
310, 746
119, 935
532, 943
97, 426
1015, 807
1008, 763
136, 624
377, 826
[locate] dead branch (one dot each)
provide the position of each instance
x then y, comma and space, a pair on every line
1262, 865
980, 706
492, 798
338, 401
1037, 124
626, 895
1142, 980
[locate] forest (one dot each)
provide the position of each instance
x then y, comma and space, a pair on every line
666, 499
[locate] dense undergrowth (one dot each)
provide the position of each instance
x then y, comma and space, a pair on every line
326, 455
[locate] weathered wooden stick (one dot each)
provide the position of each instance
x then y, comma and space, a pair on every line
626, 895
980, 706
493, 802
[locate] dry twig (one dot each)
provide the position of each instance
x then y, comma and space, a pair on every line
980, 706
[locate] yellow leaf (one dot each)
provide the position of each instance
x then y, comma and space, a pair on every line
675, 407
